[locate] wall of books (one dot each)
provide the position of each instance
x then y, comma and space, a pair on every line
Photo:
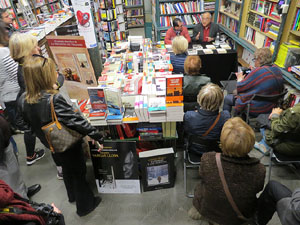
164, 11
111, 23
30, 12
135, 13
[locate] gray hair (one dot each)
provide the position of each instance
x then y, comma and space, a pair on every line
263, 55
210, 97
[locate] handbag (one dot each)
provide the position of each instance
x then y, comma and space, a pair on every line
226, 189
59, 137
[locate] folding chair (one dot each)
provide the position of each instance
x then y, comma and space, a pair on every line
191, 159
281, 159
277, 99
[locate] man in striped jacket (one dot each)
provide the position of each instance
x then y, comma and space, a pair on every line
264, 79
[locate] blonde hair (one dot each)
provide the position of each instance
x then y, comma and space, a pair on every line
192, 65
21, 45
210, 97
40, 75
237, 138
263, 55
179, 45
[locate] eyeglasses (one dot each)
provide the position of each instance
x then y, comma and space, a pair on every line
45, 59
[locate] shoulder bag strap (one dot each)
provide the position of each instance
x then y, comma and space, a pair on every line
212, 126
53, 114
226, 189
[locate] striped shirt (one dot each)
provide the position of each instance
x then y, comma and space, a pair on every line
9, 87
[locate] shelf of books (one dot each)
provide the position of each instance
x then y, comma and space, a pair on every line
165, 11
288, 55
111, 23
135, 13
229, 15
262, 25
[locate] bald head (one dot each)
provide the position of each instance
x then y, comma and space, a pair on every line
206, 19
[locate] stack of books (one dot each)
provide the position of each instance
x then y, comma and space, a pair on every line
174, 98
98, 107
157, 109
149, 131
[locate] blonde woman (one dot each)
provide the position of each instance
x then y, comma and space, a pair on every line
179, 47
40, 75
22, 46
197, 122
244, 176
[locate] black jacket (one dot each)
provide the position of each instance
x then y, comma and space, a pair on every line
37, 115
191, 88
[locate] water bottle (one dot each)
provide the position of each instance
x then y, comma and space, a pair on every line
217, 41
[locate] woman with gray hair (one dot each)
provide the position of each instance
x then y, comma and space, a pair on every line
264, 79
207, 121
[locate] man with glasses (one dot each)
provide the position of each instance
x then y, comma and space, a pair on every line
206, 31
6, 18
177, 30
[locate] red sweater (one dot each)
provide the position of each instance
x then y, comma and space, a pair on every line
7, 199
171, 34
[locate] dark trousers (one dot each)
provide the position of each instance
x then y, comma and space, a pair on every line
11, 112
267, 201
74, 174
29, 140
229, 102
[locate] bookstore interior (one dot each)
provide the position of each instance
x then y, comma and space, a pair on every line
130, 67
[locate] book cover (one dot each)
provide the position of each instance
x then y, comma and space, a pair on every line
158, 169
174, 89
114, 101
97, 98
116, 168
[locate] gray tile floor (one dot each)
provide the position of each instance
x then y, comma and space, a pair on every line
162, 207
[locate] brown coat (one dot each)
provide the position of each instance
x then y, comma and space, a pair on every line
245, 178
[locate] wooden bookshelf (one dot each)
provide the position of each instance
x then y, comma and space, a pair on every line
258, 30
263, 15
229, 15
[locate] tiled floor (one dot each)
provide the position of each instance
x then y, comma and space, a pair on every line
162, 207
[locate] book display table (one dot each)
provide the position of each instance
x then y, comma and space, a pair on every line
136, 104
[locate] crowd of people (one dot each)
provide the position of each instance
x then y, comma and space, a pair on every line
28, 81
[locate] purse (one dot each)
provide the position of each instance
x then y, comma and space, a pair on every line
226, 189
59, 137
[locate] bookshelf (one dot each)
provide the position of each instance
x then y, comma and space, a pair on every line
291, 33
111, 23
135, 13
229, 15
164, 11
262, 26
